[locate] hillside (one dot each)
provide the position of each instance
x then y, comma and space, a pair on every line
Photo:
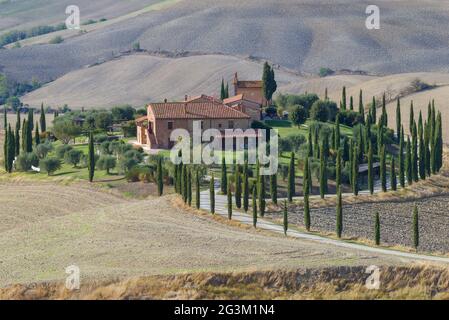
303, 35
141, 78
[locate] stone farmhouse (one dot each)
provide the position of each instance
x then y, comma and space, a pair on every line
239, 111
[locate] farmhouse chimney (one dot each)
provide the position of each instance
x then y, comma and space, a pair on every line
165, 100
185, 98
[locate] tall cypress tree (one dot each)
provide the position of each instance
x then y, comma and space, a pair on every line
285, 222
261, 194
370, 169
437, 150
238, 187
254, 205
361, 107
160, 177
184, 183
422, 155
383, 170
393, 178
291, 178
343, 98
91, 157
377, 229
17, 139
373, 110
31, 119
412, 117
355, 173
42, 119
351, 103
323, 173
338, 170
339, 225
11, 149
224, 176
5, 148
274, 188
222, 90
189, 187
197, 189
212, 194
408, 162
306, 211
245, 187
337, 132
37, 138
415, 170
398, 120
18, 120
310, 144
415, 227
401, 159
229, 198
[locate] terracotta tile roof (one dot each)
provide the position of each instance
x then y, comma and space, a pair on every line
194, 110
142, 119
203, 98
233, 99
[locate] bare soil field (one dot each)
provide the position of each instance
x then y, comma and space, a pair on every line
302, 35
417, 282
395, 219
49, 227
142, 78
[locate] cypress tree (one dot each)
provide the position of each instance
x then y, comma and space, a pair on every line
5, 149
31, 119
18, 120
412, 117
254, 205
229, 198
393, 178
398, 120
42, 119
438, 146
373, 110
224, 176
408, 162
422, 156
160, 182
291, 178
361, 107
238, 187
11, 149
401, 159
351, 159
285, 217
274, 188
338, 170
427, 148
262, 202
310, 144
17, 139
198, 190
23, 138
306, 211
343, 98
384, 117
370, 169
415, 227
5, 119
355, 173
383, 170
91, 157
351, 103
212, 194
189, 186
337, 133
245, 187
37, 138
377, 229
415, 170
339, 226
323, 180
222, 90
184, 183
175, 178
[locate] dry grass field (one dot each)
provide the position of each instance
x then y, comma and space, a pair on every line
417, 282
47, 227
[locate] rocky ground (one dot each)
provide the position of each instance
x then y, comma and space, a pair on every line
396, 222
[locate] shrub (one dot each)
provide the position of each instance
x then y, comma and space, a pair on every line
350, 118
100, 138
260, 125
107, 162
105, 148
56, 40
324, 72
133, 154
126, 164
323, 110
43, 149
285, 145
50, 165
140, 173
73, 157
298, 115
62, 150
25, 160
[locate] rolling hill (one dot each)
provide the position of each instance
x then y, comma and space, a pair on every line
303, 35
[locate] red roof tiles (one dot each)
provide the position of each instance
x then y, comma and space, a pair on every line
194, 110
